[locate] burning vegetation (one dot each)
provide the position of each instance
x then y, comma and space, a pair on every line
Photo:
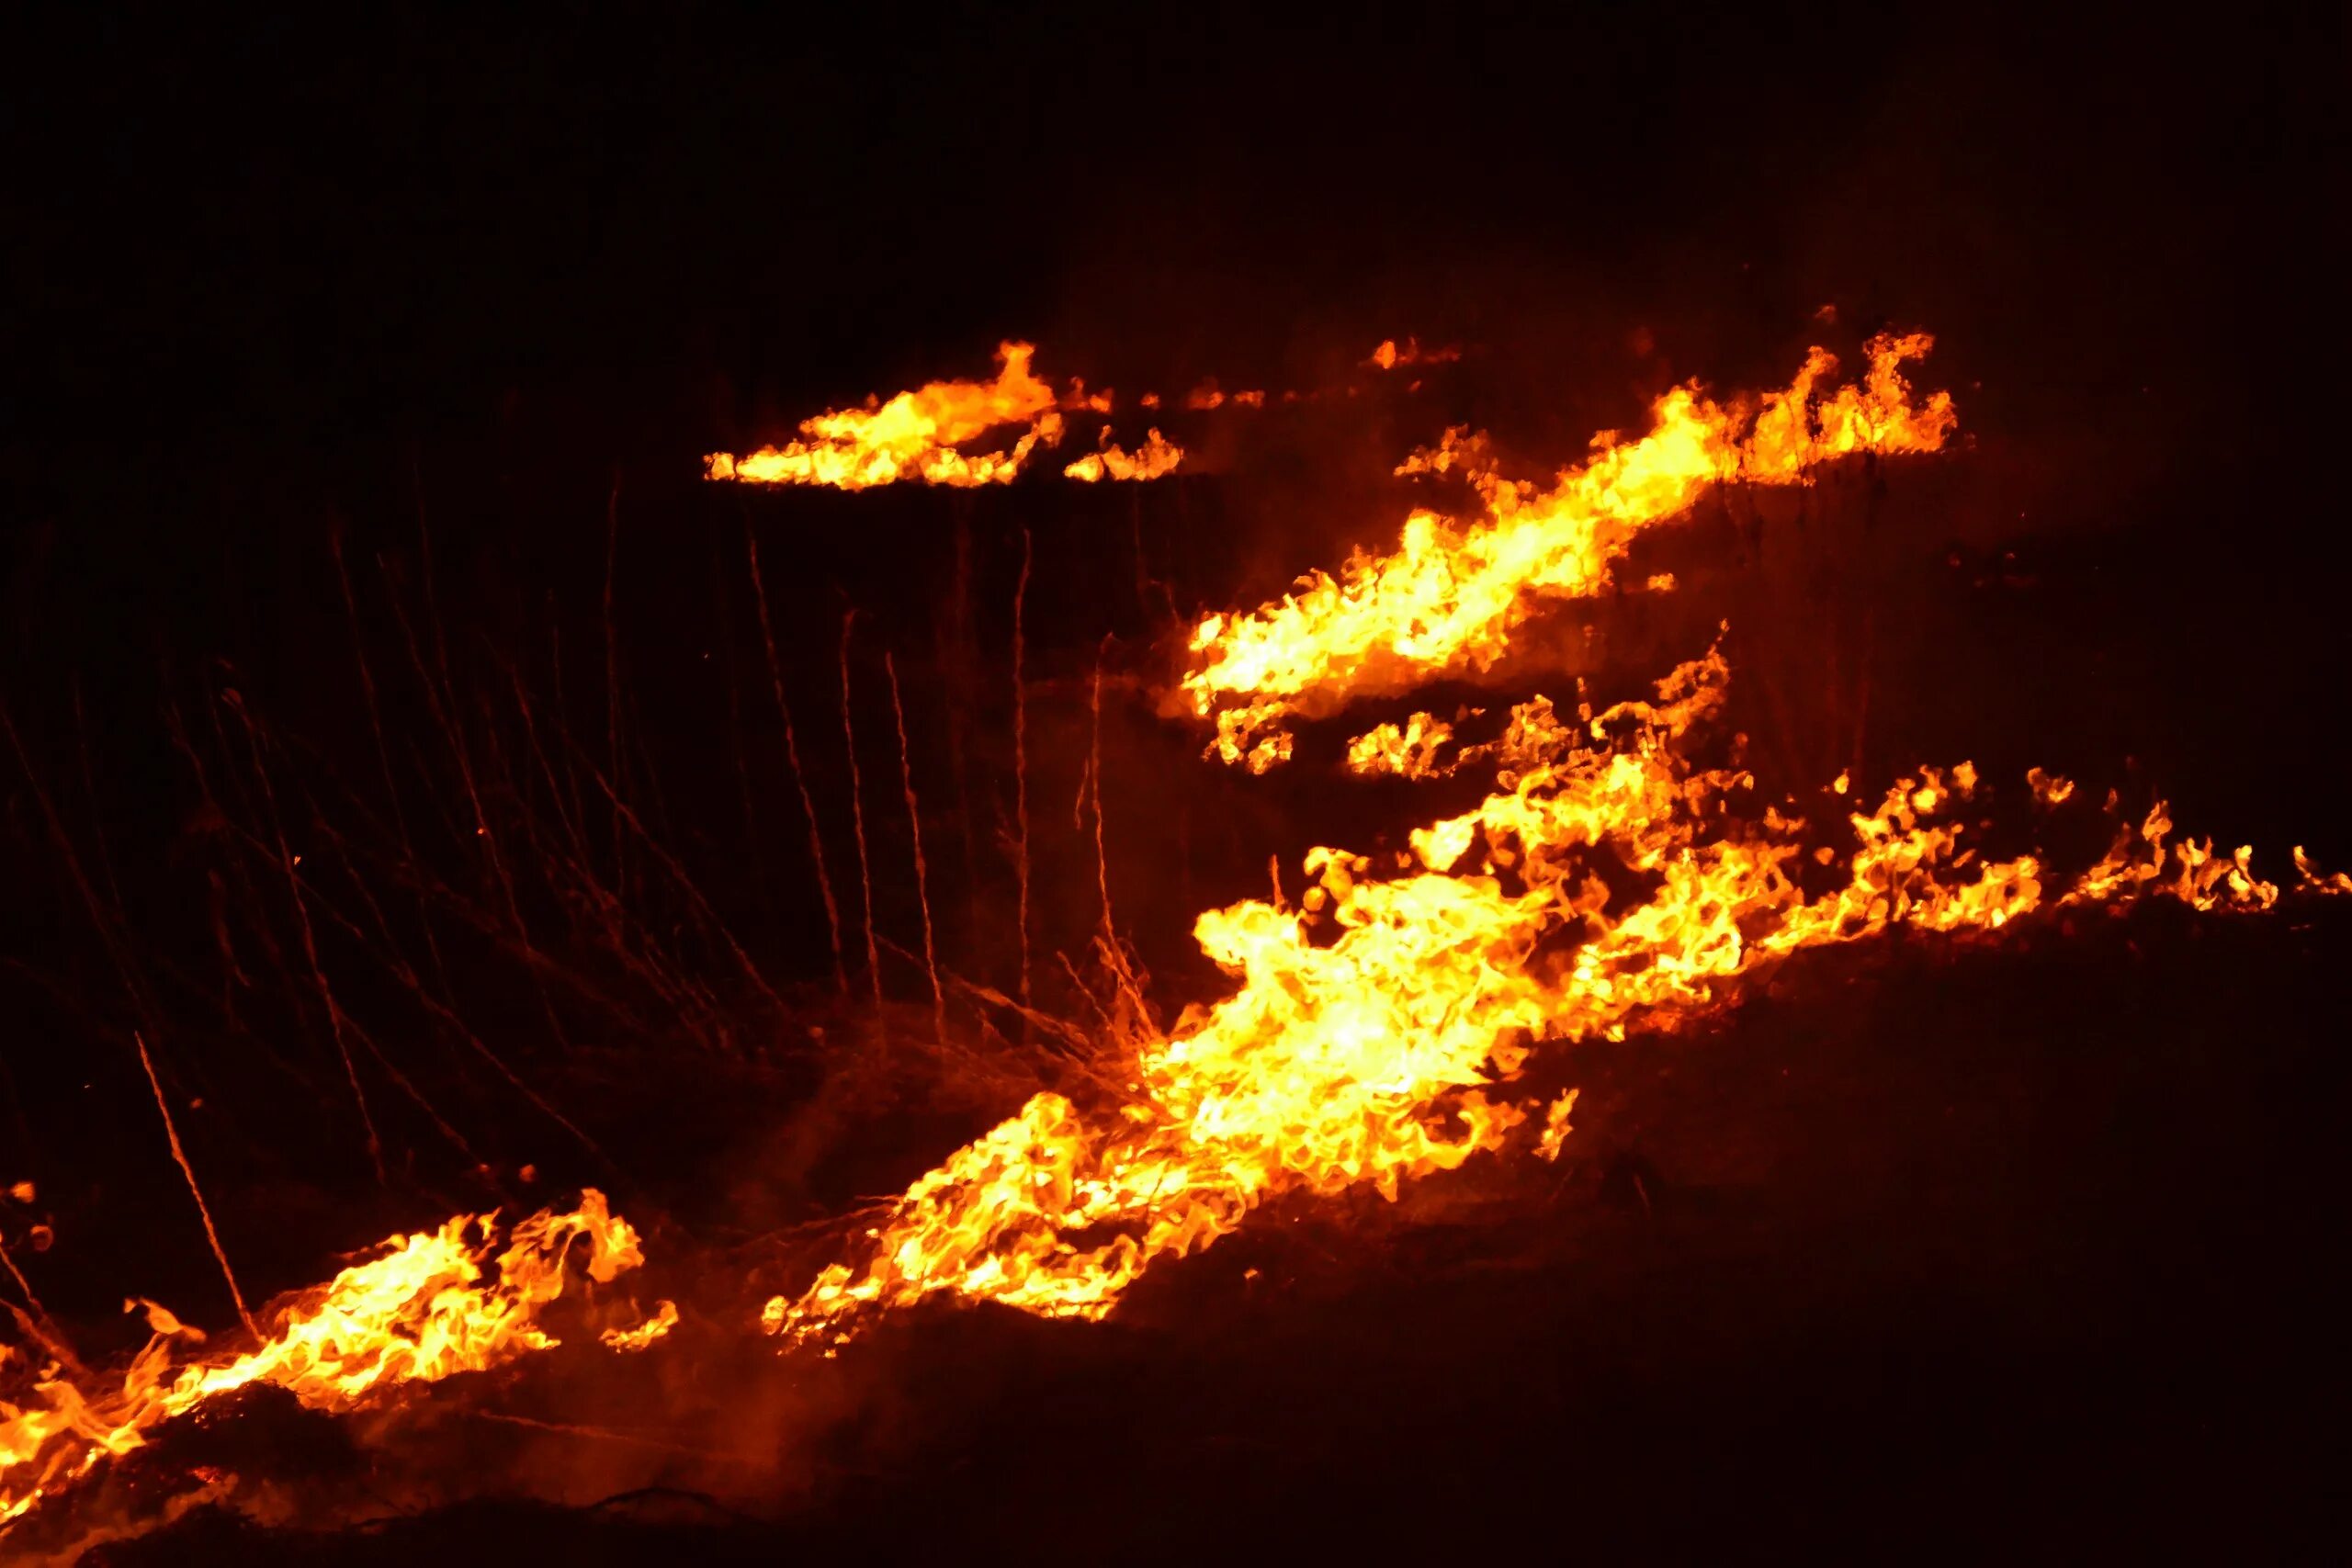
1612, 881
1449, 595
914, 436
920, 436
428, 1306
1608, 871
1157, 456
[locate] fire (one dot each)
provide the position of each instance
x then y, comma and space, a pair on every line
1556, 1127
1157, 456
1207, 395
1449, 595
1387, 356
2312, 880
1373, 1030
421, 1310
920, 436
915, 434
1409, 749
664, 1318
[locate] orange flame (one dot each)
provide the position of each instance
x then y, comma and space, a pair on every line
1556, 1127
1156, 457
421, 1311
1208, 395
1077, 400
664, 1318
914, 435
1372, 1027
1387, 356
1449, 595
1409, 750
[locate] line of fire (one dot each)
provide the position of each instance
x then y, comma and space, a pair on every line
1045, 822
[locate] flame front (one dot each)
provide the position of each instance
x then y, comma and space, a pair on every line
914, 435
1387, 356
1371, 1031
1449, 595
1408, 750
1157, 456
420, 1312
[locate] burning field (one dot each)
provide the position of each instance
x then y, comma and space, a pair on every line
1547, 892
956, 799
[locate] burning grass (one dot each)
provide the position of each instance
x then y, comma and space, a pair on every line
1611, 874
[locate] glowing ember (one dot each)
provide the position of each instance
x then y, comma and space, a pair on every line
1156, 456
1370, 1027
1450, 595
421, 1311
914, 435
1387, 356
1077, 400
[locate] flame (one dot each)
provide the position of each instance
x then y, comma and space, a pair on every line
1077, 400
2311, 879
915, 434
1387, 356
1208, 395
1449, 595
1156, 456
1556, 1127
2198, 877
1409, 749
918, 435
420, 1312
1373, 1029
664, 1318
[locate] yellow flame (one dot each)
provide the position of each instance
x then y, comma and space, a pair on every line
1157, 456
914, 435
420, 1312
1372, 1027
1556, 1127
1449, 595
1387, 356
2312, 880
664, 1318
1408, 750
